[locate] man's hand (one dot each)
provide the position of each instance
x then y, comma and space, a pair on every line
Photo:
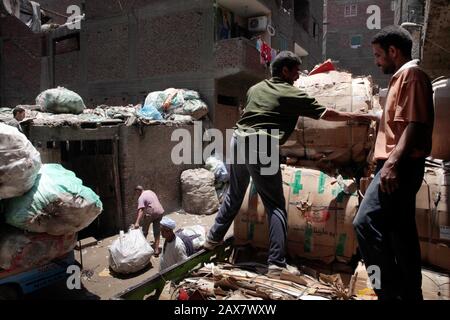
389, 178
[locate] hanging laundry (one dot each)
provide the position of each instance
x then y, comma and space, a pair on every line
259, 44
266, 53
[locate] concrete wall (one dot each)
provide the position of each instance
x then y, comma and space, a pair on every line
145, 159
360, 60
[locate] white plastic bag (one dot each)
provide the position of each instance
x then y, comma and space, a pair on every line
130, 252
216, 166
198, 233
19, 163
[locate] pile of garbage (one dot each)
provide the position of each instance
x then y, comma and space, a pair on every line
62, 107
161, 105
229, 282
42, 206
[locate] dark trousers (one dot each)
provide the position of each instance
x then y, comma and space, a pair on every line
387, 234
269, 188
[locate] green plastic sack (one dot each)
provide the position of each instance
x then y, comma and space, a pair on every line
58, 204
60, 100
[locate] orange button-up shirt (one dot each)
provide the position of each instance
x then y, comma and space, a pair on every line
409, 99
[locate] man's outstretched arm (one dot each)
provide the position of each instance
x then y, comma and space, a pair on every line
332, 115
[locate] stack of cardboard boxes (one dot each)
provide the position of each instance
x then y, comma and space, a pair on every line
433, 219
320, 210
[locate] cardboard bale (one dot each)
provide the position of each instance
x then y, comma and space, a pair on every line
320, 216
338, 142
432, 204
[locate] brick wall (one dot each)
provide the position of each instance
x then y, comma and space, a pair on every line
107, 52
20, 63
170, 44
360, 60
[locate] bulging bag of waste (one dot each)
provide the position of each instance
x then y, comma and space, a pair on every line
57, 204
197, 109
149, 112
19, 163
198, 192
60, 100
217, 167
130, 252
21, 250
197, 233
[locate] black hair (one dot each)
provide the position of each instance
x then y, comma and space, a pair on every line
394, 36
284, 59
17, 110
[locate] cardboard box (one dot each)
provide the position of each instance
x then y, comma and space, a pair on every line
320, 216
436, 254
432, 204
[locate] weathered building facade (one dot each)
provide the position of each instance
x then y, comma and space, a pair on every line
348, 36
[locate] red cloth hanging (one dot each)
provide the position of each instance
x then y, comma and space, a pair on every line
266, 52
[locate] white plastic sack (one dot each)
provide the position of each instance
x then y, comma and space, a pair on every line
217, 167
199, 232
19, 163
60, 100
130, 252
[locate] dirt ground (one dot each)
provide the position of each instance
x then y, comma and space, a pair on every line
97, 280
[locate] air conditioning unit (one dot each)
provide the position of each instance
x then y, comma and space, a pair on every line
257, 24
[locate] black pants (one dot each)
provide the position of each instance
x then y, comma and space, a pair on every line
269, 188
387, 234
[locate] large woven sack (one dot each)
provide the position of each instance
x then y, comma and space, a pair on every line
57, 204
198, 192
60, 100
19, 162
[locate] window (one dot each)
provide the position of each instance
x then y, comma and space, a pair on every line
227, 100
355, 41
283, 43
315, 33
301, 13
351, 10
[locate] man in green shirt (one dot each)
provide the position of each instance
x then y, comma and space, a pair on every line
271, 113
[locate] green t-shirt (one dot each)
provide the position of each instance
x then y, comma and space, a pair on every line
275, 104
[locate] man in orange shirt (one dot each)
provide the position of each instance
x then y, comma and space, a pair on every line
385, 223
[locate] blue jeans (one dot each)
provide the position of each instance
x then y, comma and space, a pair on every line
386, 229
269, 188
